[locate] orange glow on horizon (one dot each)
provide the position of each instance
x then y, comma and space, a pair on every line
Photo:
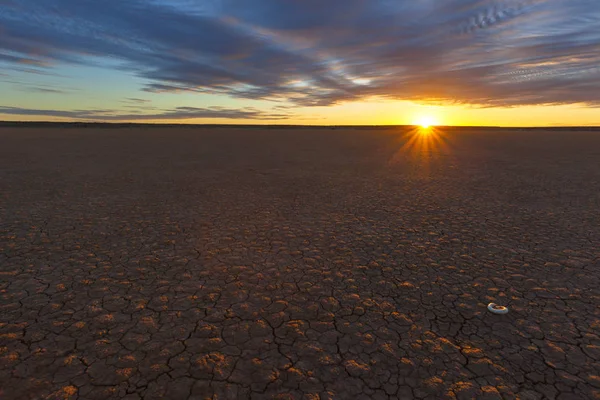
394, 112
367, 112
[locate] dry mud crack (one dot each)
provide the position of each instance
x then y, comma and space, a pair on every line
222, 263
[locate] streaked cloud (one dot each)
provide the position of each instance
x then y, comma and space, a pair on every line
309, 53
134, 100
178, 113
39, 89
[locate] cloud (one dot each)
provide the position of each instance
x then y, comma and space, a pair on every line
316, 53
39, 89
134, 100
175, 114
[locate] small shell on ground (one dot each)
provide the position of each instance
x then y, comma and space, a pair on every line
496, 309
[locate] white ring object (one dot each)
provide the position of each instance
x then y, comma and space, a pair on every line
496, 309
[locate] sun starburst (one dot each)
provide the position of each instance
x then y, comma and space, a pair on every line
422, 147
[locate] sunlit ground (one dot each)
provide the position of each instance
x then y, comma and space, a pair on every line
422, 146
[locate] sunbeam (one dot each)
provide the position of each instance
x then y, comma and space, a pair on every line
422, 148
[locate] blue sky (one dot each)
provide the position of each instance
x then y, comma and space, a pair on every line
279, 61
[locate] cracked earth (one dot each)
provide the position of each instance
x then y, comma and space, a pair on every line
223, 263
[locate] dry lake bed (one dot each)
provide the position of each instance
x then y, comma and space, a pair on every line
143, 262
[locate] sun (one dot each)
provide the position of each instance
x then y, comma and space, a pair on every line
425, 121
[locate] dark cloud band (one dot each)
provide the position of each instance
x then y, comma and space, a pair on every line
178, 113
484, 52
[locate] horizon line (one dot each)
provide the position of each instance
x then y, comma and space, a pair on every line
158, 124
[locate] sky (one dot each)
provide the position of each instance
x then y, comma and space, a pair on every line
323, 62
